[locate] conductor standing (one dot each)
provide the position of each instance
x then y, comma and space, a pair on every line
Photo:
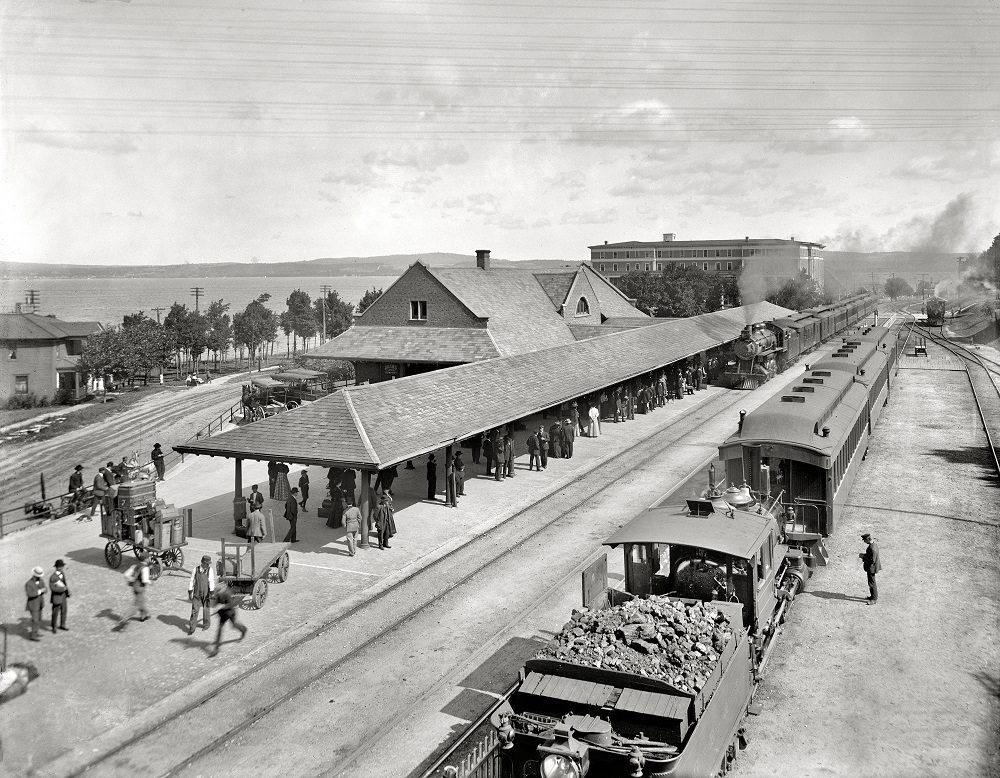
872, 565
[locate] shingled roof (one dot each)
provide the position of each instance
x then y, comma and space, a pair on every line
374, 426
414, 344
32, 326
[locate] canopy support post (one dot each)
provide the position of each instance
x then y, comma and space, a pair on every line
365, 505
239, 503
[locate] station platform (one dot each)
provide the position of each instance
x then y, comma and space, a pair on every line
104, 682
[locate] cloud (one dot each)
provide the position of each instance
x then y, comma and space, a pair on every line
600, 216
641, 120
109, 144
479, 203
420, 184
356, 175
423, 158
327, 197
843, 133
958, 165
571, 183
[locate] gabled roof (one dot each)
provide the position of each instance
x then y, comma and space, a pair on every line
31, 326
410, 344
378, 425
521, 315
613, 302
556, 286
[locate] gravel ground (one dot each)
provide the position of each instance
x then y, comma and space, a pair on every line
910, 686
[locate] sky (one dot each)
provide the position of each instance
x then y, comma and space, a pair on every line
167, 131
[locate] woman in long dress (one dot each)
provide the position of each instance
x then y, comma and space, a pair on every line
282, 489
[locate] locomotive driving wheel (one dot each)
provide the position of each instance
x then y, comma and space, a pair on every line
113, 555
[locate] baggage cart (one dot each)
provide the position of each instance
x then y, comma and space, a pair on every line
138, 523
246, 567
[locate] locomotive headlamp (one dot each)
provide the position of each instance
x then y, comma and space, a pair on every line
560, 766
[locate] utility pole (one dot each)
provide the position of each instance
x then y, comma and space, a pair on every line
923, 287
158, 311
961, 267
325, 290
196, 292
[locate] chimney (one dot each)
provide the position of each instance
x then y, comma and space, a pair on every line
668, 236
483, 259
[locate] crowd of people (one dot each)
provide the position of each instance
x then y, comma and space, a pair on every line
99, 494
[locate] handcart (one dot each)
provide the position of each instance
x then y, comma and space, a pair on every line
245, 567
138, 522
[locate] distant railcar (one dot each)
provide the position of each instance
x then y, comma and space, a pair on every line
935, 311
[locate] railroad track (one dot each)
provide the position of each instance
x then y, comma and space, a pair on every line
95, 444
985, 389
182, 742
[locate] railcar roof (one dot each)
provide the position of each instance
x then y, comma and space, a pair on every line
848, 359
834, 403
739, 536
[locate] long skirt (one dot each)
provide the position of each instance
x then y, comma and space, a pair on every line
282, 489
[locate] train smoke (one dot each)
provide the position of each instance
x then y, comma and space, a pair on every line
974, 281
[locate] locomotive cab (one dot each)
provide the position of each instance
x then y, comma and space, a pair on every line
708, 551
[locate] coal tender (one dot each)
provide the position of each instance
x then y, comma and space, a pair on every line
656, 680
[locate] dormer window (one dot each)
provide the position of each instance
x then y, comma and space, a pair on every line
418, 310
582, 307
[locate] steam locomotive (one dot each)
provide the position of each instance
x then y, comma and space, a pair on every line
722, 558
765, 349
935, 311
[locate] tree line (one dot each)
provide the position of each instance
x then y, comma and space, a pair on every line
190, 340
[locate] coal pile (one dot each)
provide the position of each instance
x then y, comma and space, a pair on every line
656, 637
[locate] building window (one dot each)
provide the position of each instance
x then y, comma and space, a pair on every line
74, 348
718, 266
647, 267
729, 266
614, 268
704, 266
20, 384
626, 267
418, 310
602, 268
582, 307
12, 354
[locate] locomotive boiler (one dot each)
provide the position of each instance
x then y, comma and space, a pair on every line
758, 355
935, 311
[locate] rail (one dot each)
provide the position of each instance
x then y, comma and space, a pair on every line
968, 356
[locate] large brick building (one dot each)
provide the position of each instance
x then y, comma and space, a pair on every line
773, 260
41, 355
431, 318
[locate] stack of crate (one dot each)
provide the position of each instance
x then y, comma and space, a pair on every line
132, 509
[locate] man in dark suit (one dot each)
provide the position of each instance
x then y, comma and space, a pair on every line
872, 565
508, 450
500, 455
292, 514
59, 589
534, 460
432, 477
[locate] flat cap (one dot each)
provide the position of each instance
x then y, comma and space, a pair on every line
865, 535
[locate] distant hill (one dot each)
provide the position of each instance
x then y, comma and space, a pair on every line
391, 265
845, 270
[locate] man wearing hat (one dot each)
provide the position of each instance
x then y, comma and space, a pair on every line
35, 590
872, 565
159, 462
201, 587
60, 593
76, 489
569, 428
292, 514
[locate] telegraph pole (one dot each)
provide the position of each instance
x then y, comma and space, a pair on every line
196, 292
961, 266
158, 311
325, 290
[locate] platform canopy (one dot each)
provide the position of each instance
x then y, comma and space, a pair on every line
374, 426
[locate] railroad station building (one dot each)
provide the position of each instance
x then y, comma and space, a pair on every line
41, 355
772, 259
432, 318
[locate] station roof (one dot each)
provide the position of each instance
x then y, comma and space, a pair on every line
33, 326
378, 425
739, 536
411, 344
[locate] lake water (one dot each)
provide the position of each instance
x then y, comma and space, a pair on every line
108, 300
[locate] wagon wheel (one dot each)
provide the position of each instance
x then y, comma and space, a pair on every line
113, 555
173, 558
154, 567
283, 564
259, 594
